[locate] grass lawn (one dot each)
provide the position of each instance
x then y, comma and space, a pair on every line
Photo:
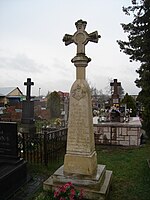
131, 174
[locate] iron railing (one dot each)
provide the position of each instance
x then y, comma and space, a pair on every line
43, 147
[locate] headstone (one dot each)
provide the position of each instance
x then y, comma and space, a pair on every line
28, 121
115, 99
115, 115
13, 172
80, 163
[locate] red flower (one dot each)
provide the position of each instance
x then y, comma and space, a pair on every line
56, 193
81, 194
67, 192
61, 198
67, 185
62, 189
72, 192
71, 197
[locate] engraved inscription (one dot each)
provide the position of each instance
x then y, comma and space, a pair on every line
4, 142
80, 138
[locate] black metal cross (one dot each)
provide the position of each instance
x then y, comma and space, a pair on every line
28, 84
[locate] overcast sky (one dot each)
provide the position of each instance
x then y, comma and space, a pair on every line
31, 46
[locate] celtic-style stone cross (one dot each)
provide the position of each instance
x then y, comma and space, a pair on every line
80, 140
81, 37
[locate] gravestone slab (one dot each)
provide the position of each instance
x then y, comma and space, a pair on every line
8, 140
13, 172
28, 112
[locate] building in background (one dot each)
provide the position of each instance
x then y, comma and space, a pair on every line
64, 102
10, 103
10, 96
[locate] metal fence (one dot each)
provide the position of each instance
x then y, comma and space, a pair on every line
44, 147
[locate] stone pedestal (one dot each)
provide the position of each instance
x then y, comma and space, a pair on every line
79, 164
80, 139
95, 187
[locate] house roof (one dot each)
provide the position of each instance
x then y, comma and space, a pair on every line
1, 95
5, 91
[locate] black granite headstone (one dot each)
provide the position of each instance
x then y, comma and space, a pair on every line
8, 140
28, 112
13, 172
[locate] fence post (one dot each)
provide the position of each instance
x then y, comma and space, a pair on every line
45, 149
24, 148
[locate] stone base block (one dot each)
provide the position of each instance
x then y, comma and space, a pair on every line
80, 164
95, 187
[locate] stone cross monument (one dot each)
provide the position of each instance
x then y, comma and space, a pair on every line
80, 162
28, 121
80, 141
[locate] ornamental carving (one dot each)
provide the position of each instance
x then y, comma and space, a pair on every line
78, 93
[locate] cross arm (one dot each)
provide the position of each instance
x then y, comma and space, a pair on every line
93, 37
30, 83
111, 84
68, 39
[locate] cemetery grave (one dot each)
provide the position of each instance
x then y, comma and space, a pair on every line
28, 121
80, 162
118, 128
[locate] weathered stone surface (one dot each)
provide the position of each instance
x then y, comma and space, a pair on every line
80, 127
124, 143
133, 140
80, 164
126, 134
81, 180
80, 140
95, 187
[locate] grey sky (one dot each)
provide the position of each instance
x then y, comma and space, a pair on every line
31, 46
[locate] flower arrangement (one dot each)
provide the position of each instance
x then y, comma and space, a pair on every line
57, 122
68, 192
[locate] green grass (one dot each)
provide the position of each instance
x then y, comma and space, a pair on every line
131, 174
